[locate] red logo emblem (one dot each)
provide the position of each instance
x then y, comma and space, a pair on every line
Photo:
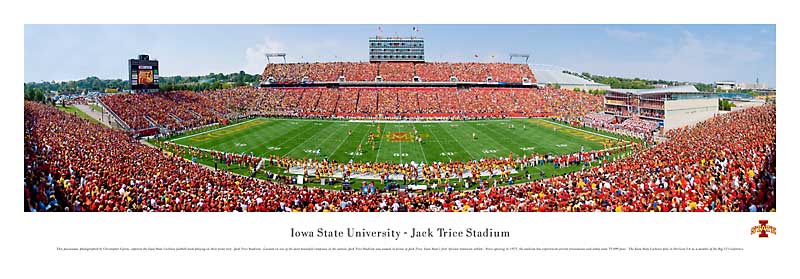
762, 229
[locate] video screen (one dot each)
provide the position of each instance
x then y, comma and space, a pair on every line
145, 77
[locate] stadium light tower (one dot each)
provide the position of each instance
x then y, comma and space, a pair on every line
520, 55
268, 55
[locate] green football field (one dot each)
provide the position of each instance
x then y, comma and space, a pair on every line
441, 141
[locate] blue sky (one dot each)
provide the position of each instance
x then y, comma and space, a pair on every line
704, 53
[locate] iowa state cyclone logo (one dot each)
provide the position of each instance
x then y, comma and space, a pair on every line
763, 229
399, 136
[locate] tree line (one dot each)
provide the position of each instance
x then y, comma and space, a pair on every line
637, 83
208, 82
89, 84
35, 94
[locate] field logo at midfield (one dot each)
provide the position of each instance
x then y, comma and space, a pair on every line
400, 137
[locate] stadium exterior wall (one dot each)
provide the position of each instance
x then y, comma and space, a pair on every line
681, 113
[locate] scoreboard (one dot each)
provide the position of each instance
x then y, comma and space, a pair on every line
143, 74
396, 49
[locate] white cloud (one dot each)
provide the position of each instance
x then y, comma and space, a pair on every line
707, 53
313, 51
686, 57
255, 54
321, 50
626, 35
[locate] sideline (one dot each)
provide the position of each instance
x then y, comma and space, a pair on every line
588, 132
397, 121
209, 131
298, 170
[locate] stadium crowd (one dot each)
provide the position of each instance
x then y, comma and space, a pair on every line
327, 101
407, 101
324, 71
388, 102
287, 73
182, 110
367, 100
639, 125
726, 163
598, 120
434, 71
292, 73
507, 72
633, 126
348, 102
400, 71
470, 72
177, 110
360, 71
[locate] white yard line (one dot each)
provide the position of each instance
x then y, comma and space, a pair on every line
359, 143
420, 146
588, 132
380, 144
329, 137
401, 151
439, 142
284, 142
495, 141
396, 121
342, 142
209, 131
473, 157
304, 142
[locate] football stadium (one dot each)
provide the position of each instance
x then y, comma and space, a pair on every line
399, 134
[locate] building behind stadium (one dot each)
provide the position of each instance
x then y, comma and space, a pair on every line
671, 107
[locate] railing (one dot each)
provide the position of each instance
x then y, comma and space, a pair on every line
116, 117
152, 122
178, 119
612, 102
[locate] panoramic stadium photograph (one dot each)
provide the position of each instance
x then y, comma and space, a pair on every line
399, 118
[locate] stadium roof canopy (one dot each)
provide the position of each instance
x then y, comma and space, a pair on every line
672, 89
559, 77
